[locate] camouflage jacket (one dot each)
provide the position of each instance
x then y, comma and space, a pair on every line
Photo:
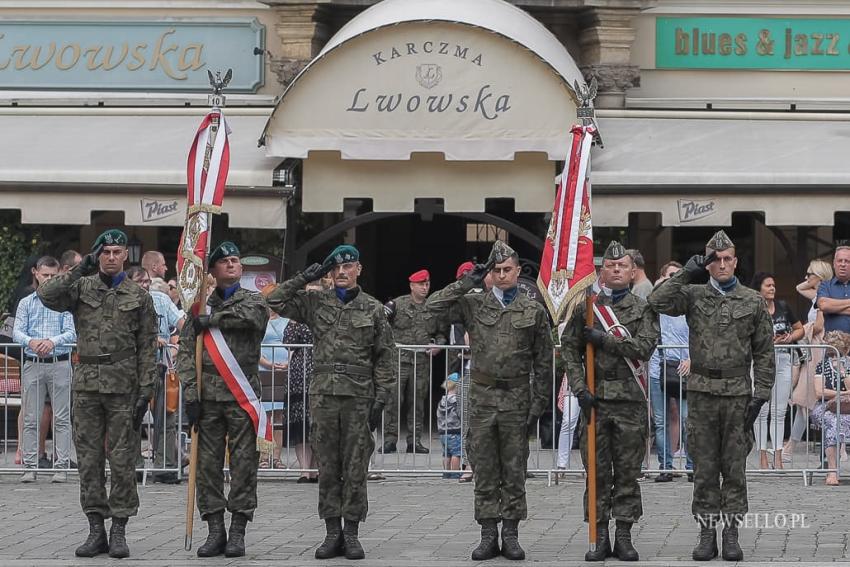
108, 320
414, 324
729, 333
242, 319
352, 342
613, 378
507, 344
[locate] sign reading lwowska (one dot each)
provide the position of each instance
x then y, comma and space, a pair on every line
129, 55
752, 43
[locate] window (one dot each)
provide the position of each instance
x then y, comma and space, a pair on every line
479, 232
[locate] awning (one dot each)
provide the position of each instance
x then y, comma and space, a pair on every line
477, 80
60, 164
697, 168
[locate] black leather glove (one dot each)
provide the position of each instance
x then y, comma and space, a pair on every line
586, 401
139, 411
201, 323
317, 271
389, 310
375, 414
480, 271
752, 412
193, 414
595, 337
695, 267
89, 264
531, 422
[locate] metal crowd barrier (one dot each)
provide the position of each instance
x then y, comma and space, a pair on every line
552, 446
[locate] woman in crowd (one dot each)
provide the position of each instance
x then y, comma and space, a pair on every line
274, 359
568, 406
787, 330
300, 371
803, 396
831, 383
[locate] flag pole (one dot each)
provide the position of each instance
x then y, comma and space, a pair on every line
590, 373
216, 101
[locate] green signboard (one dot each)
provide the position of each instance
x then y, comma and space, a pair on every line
752, 43
161, 55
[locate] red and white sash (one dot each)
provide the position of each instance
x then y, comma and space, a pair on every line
613, 327
226, 365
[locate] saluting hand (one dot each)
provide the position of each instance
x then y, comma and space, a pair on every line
317, 271
480, 271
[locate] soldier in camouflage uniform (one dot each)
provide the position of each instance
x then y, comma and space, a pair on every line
510, 338
113, 383
241, 316
620, 402
412, 324
351, 383
731, 331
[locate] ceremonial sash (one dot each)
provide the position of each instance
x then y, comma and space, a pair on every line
613, 327
226, 365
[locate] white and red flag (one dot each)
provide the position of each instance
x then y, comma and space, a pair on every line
566, 269
206, 172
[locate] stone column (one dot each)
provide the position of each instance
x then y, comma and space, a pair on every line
605, 38
303, 30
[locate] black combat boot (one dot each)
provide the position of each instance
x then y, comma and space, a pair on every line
217, 538
603, 544
489, 546
731, 550
353, 549
510, 541
96, 543
236, 538
333, 546
117, 539
706, 549
623, 548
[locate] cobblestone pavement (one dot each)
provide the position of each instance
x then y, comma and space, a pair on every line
424, 521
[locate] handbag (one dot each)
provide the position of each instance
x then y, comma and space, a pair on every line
172, 390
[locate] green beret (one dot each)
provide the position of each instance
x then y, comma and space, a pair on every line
615, 251
111, 237
224, 250
343, 254
720, 241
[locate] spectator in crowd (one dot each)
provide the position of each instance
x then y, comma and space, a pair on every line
803, 394
787, 330
300, 372
569, 408
173, 292
45, 336
412, 324
274, 359
832, 382
140, 276
641, 285
153, 263
68, 260
833, 298
170, 322
667, 373
448, 426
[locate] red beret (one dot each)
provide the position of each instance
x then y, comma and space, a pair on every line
419, 277
463, 269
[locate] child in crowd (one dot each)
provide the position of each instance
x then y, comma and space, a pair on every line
448, 424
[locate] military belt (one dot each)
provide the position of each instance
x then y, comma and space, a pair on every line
616, 374
108, 357
486, 379
343, 369
719, 373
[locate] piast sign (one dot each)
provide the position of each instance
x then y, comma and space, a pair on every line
691, 210
154, 209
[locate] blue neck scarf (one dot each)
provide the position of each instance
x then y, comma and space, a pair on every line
227, 292
346, 295
112, 281
618, 294
728, 286
509, 295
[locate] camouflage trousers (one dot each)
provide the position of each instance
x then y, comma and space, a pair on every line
414, 396
342, 444
621, 433
498, 443
226, 423
719, 445
98, 417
